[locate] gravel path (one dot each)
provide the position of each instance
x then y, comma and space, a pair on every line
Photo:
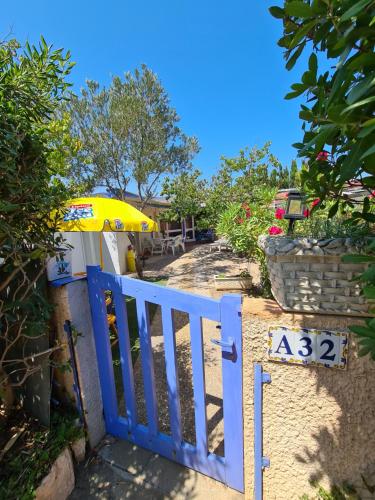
193, 272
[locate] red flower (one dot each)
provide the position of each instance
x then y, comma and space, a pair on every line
322, 156
273, 230
245, 206
240, 220
306, 212
279, 213
248, 213
315, 202
372, 195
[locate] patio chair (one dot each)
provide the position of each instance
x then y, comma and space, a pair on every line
157, 246
175, 243
220, 244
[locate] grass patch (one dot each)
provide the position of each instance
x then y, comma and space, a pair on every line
133, 334
30, 458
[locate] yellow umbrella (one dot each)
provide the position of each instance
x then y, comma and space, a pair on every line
103, 215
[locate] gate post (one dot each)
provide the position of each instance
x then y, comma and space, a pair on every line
260, 462
231, 343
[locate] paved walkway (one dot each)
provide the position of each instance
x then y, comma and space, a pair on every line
125, 471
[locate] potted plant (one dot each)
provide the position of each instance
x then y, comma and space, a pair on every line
242, 281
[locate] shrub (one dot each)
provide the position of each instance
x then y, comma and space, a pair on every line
32, 84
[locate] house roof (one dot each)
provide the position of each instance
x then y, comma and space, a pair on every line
156, 201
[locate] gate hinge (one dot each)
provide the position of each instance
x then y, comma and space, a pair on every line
266, 378
265, 462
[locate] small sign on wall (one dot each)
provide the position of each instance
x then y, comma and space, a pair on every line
308, 347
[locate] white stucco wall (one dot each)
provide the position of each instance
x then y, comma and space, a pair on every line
86, 250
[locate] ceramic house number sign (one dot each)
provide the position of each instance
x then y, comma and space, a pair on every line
308, 347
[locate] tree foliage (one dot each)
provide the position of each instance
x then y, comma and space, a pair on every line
128, 132
186, 194
32, 85
338, 115
239, 179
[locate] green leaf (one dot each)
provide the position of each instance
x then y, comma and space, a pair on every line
360, 89
368, 152
368, 275
360, 61
357, 259
277, 12
363, 331
309, 78
301, 32
293, 59
365, 350
366, 131
369, 292
359, 103
313, 63
333, 210
355, 9
299, 9
350, 165
320, 138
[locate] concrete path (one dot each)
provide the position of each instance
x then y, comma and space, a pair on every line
124, 471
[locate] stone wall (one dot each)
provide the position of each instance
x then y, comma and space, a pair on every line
308, 274
318, 422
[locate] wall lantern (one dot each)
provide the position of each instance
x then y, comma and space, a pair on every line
295, 209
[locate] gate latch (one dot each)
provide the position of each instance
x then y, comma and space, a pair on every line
227, 346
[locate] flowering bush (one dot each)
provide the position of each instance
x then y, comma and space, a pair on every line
242, 224
275, 230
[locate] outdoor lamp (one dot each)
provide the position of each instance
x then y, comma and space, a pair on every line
295, 209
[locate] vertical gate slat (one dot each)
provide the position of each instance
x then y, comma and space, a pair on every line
147, 366
126, 359
103, 346
231, 326
172, 375
199, 383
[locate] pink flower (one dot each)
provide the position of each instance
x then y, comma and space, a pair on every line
306, 212
273, 230
372, 195
315, 202
322, 156
279, 213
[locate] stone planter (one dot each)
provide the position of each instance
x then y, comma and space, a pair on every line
307, 275
233, 282
59, 482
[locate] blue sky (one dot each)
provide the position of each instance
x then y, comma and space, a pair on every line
218, 60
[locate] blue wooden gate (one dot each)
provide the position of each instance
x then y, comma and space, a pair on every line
227, 469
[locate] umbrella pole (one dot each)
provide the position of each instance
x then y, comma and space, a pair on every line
101, 251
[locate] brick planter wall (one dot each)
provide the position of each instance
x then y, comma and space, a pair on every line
308, 275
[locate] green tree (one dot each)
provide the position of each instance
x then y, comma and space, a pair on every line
32, 86
186, 193
338, 115
128, 131
254, 169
